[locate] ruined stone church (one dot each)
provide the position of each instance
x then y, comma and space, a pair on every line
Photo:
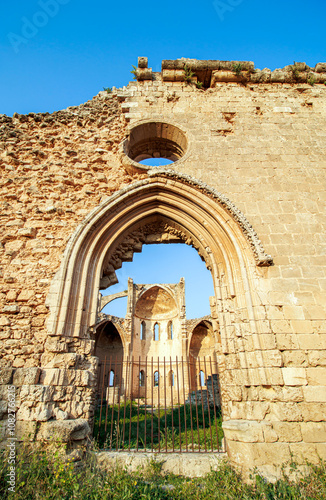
246, 189
154, 332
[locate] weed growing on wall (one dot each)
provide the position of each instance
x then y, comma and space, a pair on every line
188, 74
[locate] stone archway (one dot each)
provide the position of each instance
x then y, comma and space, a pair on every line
168, 207
202, 346
109, 350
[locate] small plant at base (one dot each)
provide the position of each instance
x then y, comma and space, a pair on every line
311, 80
237, 68
199, 85
155, 466
295, 71
108, 89
188, 74
134, 71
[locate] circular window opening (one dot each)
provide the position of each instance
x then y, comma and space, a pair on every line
155, 140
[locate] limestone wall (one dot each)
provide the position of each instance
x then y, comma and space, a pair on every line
260, 144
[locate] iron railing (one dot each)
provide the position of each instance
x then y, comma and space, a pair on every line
160, 405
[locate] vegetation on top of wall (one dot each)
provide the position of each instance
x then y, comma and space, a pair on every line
48, 475
295, 71
237, 68
134, 71
188, 74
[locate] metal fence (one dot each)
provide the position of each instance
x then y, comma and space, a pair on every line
160, 405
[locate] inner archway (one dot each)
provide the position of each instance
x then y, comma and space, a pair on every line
109, 350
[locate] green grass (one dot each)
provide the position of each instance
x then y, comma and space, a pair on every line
45, 475
184, 426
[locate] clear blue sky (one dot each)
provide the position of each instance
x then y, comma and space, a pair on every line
57, 53
60, 53
166, 264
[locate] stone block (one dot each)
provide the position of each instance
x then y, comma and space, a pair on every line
64, 430
56, 376
25, 295
293, 312
249, 410
316, 376
272, 358
302, 327
274, 376
245, 431
313, 412
6, 376
294, 394
14, 309
313, 432
25, 430
54, 345
28, 232
280, 326
305, 452
285, 412
317, 358
313, 341
270, 436
315, 394
294, 376
287, 341
271, 453
66, 360
4, 321
288, 432
26, 376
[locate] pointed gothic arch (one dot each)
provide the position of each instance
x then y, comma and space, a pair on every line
166, 202
169, 207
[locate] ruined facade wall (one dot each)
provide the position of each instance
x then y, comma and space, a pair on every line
54, 170
263, 146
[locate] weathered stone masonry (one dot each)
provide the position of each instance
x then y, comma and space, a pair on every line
76, 203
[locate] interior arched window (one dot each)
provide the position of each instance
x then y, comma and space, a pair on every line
156, 332
170, 330
142, 378
156, 378
143, 330
111, 379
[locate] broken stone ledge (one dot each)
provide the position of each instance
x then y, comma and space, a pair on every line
212, 72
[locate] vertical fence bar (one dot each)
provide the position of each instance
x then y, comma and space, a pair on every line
113, 400
158, 398
99, 423
125, 405
166, 437
184, 401
119, 397
145, 403
171, 391
152, 422
131, 390
108, 398
209, 406
190, 403
196, 402
138, 382
178, 389
214, 403
202, 403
